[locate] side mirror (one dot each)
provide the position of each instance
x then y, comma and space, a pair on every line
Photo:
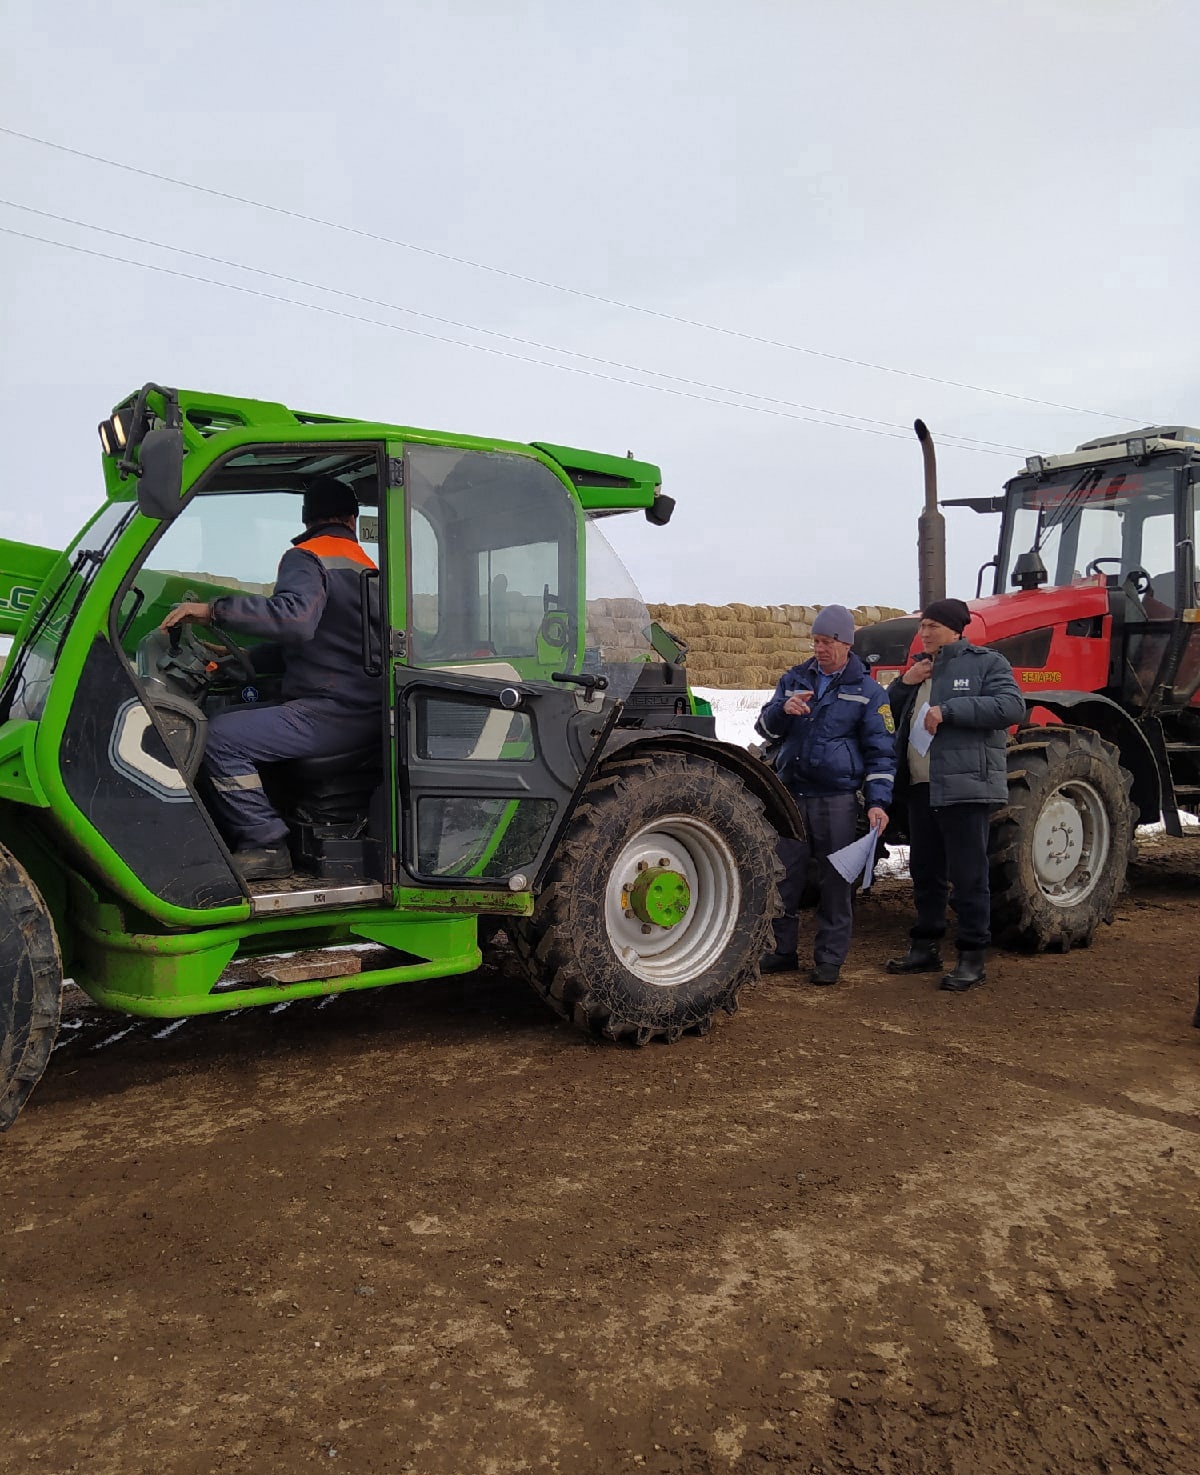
160, 462
659, 512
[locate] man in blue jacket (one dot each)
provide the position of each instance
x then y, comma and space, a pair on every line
965, 697
834, 730
330, 704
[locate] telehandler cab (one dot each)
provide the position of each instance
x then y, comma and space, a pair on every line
1103, 633
536, 766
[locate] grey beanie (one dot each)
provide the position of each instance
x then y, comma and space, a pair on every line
836, 621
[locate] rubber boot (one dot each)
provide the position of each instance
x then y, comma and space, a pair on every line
967, 973
778, 963
923, 956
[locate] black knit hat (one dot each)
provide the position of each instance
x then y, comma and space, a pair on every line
952, 613
327, 497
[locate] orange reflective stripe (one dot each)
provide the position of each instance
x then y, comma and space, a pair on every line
338, 548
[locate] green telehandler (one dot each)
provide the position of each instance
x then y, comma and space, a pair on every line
538, 767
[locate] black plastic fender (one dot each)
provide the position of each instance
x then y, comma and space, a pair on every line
759, 777
1134, 741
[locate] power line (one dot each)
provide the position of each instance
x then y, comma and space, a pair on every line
723, 389
548, 285
475, 347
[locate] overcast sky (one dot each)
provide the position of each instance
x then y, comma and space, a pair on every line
999, 195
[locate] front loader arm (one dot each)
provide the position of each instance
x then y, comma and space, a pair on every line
23, 570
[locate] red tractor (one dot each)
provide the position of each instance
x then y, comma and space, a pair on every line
1096, 604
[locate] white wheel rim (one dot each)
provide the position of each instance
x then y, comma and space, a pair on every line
1071, 843
666, 956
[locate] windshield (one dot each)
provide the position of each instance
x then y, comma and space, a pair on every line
1109, 520
27, 676
617, 638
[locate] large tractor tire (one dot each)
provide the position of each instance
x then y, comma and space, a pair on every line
30, 987
1061, 845
658, 905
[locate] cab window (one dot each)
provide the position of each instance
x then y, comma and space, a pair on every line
493, 542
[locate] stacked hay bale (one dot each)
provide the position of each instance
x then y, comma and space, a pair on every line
745, 646
616, 629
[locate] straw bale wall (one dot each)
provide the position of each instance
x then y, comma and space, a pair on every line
735, 646
747, 646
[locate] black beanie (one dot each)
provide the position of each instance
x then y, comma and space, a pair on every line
952, 613
327, 497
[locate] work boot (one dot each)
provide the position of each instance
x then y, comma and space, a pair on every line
778, 963
923, 956
967, 972
824, 973
268, 863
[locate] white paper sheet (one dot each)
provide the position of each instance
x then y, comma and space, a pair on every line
857, 859
917, 736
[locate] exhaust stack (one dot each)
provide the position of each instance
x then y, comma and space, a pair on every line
931, 528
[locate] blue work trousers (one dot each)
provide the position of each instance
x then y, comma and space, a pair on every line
831, 822
242, 738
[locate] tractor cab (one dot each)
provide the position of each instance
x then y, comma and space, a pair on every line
1119, 515
503, 671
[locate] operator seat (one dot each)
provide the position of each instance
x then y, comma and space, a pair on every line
337, 788
1159, 599
334, 810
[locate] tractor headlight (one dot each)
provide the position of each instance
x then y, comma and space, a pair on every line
114, 432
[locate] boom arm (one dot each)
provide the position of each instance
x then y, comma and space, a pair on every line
23, 570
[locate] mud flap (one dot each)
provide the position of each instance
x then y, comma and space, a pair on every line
30, 987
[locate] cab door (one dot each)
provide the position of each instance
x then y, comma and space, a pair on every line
484, 577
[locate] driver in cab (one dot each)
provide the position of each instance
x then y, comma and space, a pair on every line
330, 704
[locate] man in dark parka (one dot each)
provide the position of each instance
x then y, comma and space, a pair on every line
965, 696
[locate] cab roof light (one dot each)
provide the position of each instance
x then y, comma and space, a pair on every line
114, 432
1035, 465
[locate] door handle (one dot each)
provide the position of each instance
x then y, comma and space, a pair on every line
368, 580
589, 682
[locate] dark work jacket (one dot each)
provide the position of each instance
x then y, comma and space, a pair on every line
845, 742
314, 616
979, 697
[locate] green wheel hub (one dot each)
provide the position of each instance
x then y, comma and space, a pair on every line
660, 896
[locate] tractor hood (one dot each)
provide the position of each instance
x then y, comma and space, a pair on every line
887, 646
1000, 615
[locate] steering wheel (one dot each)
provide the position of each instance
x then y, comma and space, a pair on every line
1141, 581
1094, 566
235, 655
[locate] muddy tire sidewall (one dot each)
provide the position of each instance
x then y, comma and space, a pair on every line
573, 951
30, 986
1070, 774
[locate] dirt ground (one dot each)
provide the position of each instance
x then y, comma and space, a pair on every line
873, 1228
